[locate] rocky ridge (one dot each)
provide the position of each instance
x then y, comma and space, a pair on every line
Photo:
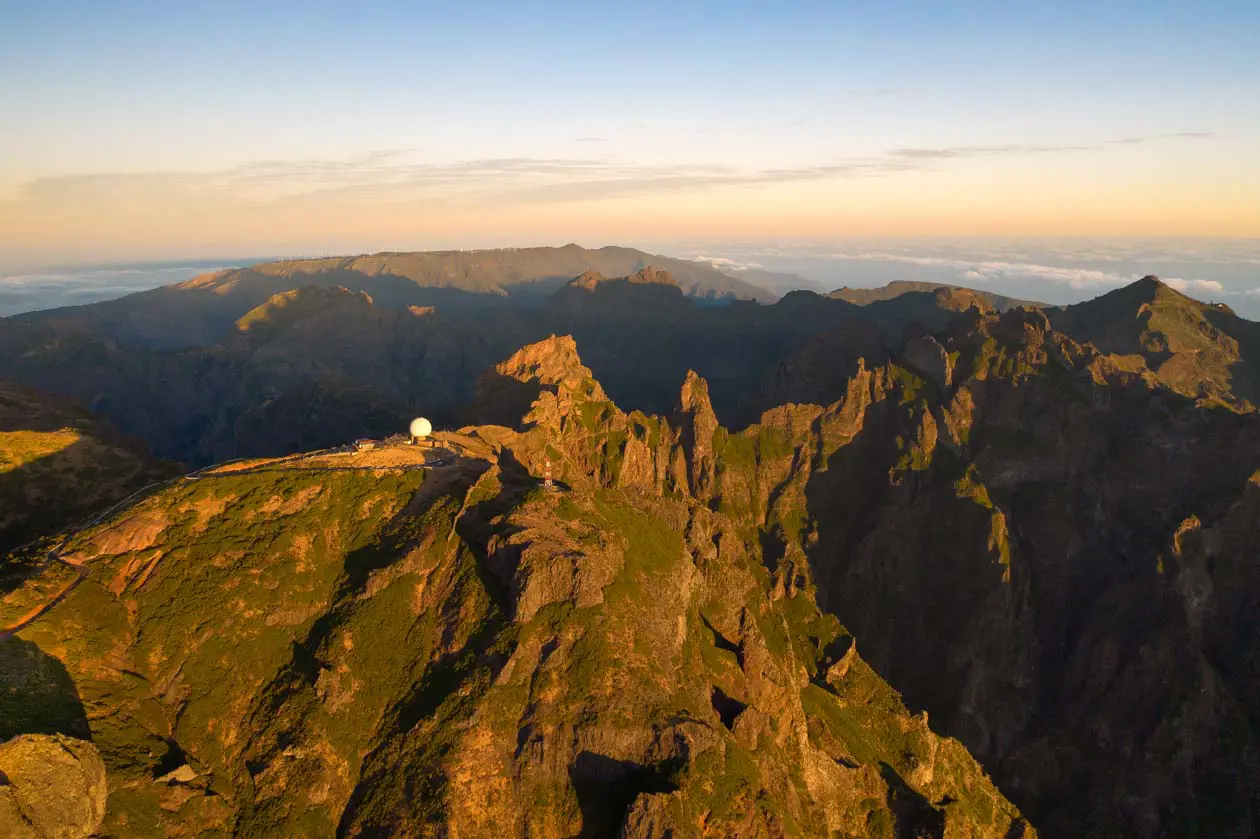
992, 511
463, 652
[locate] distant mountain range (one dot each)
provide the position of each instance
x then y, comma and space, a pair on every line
202, 310
864, 296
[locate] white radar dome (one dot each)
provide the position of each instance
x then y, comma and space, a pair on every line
421, 427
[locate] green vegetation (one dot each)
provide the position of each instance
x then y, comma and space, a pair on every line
396, 652
18, 448
594, 415
909, 385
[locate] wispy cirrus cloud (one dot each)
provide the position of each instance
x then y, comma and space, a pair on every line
388, 176
978, 151
951, 152
399, 175
1175, 135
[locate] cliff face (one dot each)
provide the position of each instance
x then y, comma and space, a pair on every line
1017, 527
1006, 566
459, 651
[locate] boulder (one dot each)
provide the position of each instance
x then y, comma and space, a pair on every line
51, 787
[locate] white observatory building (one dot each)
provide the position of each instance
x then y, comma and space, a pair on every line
420, 429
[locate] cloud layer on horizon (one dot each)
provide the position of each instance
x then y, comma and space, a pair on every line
996, 271
1056, 272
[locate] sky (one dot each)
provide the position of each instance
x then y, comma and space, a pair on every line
157, 131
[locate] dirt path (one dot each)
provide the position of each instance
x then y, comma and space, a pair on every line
36, 613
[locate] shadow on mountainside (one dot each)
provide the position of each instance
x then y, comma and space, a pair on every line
37, 694
37, 500
1245, 372
606, 788
914, 815
184, 316
60, 489
1058, 657
503, 400
59, 465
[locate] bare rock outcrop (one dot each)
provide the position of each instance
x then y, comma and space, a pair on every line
927, 354
51, 787
696, 424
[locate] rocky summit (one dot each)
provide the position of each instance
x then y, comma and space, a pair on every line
458, 650
919, 562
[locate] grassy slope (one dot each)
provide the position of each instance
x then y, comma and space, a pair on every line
325, 649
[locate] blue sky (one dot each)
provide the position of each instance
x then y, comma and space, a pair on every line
168, 130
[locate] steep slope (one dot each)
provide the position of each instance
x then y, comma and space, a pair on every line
1048, 550
59, 464
1010, 539
779, 282
460, 651
308, 368
1200, 350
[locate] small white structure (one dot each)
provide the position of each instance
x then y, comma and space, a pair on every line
420, 429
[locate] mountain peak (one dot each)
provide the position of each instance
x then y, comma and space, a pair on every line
510, 391
1197, 349
300, 302
1150, 287
696, 424
551, 361
694, 395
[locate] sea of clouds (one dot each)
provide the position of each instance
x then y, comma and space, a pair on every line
30, 289
1045, 271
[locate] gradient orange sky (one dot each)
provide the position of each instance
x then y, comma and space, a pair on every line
145, 132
